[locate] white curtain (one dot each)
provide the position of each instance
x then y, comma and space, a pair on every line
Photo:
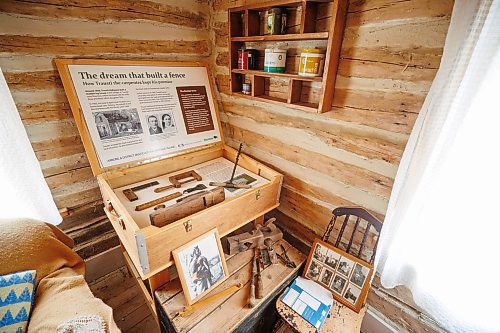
441, 234
23, 190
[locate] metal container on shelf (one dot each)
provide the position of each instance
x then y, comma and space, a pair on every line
276, 21
275, 60
311, 62
247, 58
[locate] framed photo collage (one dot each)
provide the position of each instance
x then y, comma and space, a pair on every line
346, 276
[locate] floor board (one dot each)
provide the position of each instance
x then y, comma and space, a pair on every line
119, 290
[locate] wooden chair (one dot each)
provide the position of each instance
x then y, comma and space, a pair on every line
372, 223
341, 319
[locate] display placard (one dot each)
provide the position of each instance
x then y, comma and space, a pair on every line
139, 110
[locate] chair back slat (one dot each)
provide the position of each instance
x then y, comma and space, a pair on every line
352, 234
329, 229
346, 219
365, 234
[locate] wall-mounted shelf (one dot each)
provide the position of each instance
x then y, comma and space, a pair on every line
282, 75
310, 23
306, 36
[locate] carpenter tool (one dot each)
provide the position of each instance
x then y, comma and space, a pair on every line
259, 286
264, 253
229, 183
179, 180
189, 205
251, 299
268, 242
190, 308
198, 187
157, 201
130, 192
285, 259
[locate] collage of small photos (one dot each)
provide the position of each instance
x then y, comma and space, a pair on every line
346, 278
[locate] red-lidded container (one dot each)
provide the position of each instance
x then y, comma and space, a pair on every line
247, 58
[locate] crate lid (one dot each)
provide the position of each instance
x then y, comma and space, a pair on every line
131, 112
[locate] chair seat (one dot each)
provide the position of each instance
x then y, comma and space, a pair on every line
341, 319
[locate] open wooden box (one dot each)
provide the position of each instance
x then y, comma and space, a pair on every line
150, 247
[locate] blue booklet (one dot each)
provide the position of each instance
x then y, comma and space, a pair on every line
310, 300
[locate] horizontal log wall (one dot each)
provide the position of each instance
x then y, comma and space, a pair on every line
33, 33
348, 156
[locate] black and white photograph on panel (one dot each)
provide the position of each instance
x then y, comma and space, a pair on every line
326, 277
332, 258
338, 284
168, 122
352, 293
345, 266
117, 123
320, 252
359, 275
314, 270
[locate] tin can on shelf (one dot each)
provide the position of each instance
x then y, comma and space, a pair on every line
247, 58
311, 62
276, 21
275, 60
247, 88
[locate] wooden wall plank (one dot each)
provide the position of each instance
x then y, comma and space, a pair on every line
111, 10
80, 46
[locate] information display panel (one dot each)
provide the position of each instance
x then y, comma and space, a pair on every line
140, 110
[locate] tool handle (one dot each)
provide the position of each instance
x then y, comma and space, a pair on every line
259, 286
163, 188
236, 162
252, 302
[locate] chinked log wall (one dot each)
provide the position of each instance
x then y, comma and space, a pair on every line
33, 33
349, 156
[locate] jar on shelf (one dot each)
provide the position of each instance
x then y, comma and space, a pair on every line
276, 21
311, 62
275, 60
247, 88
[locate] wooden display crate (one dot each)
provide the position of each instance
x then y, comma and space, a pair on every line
149, 247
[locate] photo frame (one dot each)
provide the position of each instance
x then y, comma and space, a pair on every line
201, 265
347, 277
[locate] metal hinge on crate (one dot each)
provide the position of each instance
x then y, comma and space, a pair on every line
143, 253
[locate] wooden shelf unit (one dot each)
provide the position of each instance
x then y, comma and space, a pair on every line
306, 36
307, 24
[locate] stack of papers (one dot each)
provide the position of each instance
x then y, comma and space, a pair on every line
310, 300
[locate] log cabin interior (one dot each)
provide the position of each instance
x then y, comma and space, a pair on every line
249, 166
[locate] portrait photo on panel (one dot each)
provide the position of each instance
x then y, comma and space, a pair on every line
154, 124
168, 122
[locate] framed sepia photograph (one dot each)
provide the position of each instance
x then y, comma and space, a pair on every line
326, 277
314, 270
347, 277
201, 265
